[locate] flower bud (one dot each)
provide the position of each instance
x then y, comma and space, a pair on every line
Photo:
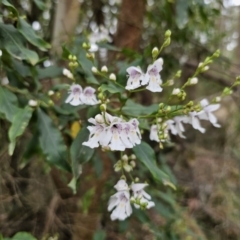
133, 156
218, 99
32, 103
161, 105
4, 81
125, 157
74, 58
193, 81
103, 107
112, 77
176, 91
217, 53
50, 92
99, 118
127, 167
133, 164
104, 69
90, 56
155, 52
136, 179
94, 69
205, 68
170, 82
168, 34
70, 57
178, 74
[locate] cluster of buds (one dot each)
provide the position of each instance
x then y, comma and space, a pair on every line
190, 107
73, 62
180, 93
125, 163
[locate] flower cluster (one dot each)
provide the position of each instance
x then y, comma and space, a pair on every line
159, 132
113, 132
121, 200
78, 96
151, 78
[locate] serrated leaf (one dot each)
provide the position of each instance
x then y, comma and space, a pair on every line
135, 110
146, 155
8, 103
112, 88
51, 141
27, 31
19, 124
79, 153
12, 41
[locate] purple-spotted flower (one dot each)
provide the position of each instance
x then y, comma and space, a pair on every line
120, 202
141, 196
75, 95
206, 113
88, 97
136, 78
114, 133
78, 97
153, 76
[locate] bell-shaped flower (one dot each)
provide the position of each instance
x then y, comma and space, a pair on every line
141, 196
179, 120
97, 132
154, 133
153, 76
206, 113
115, 133
194, 121
136, 78
88, 97
120, 201
75, 95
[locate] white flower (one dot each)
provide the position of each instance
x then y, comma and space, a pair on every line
75, 95
117, 134
141, 195
88, 96
179, 125
194, 121
153, 76
120, 201
206, 113
136, 78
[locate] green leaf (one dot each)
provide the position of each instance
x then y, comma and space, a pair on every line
27, 31
40, 4
135, 110
146, 155
49, 72
112, 88
79, 153
8, 103
12, 41
10, 7
99, 235
19, 124
51, 142
23, 236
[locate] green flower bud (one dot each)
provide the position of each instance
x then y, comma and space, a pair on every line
103, 107
168, 34
155, 52
217, 54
